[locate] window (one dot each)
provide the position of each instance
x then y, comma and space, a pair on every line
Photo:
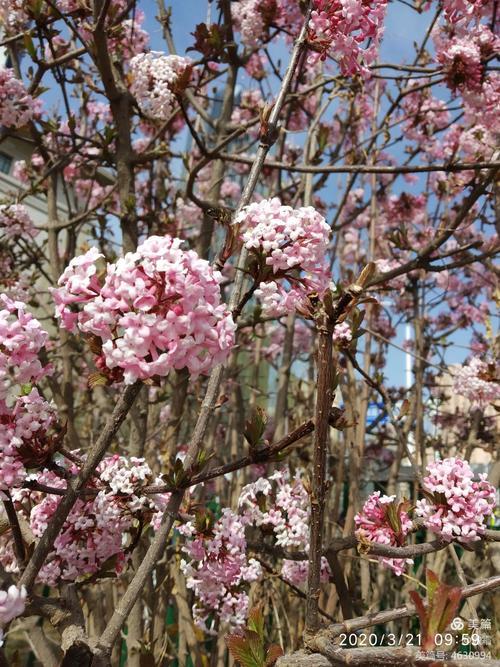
5, 163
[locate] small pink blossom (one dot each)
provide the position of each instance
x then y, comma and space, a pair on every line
218, 570
340, 27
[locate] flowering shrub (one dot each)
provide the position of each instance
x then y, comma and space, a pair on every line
385, 521
99, 531
455, 506
359, 165
339, 28
156, 80
157, 309
219, 569
21, 340
281, 504
476, 381
17, 105
289, 246
15, 221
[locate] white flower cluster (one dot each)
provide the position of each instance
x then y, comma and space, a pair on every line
156, 79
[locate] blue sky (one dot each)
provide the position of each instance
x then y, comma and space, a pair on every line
403, 28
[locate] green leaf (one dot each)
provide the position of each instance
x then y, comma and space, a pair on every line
29, 45
255, 427
432, 582
256, 621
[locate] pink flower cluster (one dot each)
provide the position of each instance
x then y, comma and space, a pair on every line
100, 526
461, 60
463, 56
15, 221
157, 309
156, 80
25, 417
281, 504
24, 437
13, 15
455, 506
17, 106
12, 604
21, 339
254, 18
385, 521
219, 569
460, 11
339, 28
291, 246
248, 21
475, 380
342, 334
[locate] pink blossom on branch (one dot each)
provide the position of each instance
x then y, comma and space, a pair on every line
25, 439
219, 570
385, 521
15, 221
455, 506
25, 417
476, 381
98, 531
17, 106
21, 340
158, 308
339, 28
461, 58
290, 246
281, 504
342, 334
156, 80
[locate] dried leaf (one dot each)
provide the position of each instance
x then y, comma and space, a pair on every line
97, 380
273, 653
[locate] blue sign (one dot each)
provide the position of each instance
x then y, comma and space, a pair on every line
376, 413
